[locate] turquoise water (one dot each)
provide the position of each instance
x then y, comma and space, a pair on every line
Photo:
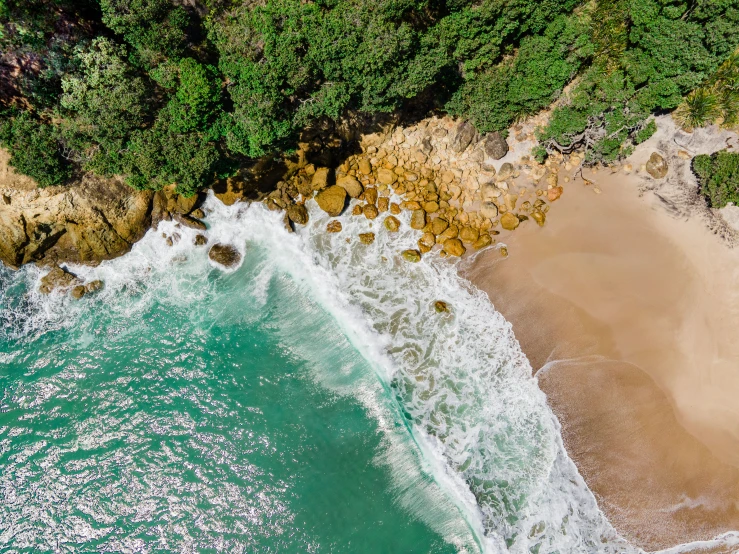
148, 421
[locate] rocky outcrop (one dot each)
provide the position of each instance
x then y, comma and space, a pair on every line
224, 254
89, 221
657, 166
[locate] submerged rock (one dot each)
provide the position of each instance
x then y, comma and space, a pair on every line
392, 223
58, 279
224, 254
440, 306
200, 240
366, 238
77, 292
333, 226
413, 256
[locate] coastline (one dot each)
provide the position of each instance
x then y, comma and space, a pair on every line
626, 311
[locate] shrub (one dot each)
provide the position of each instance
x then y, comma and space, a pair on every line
718, 176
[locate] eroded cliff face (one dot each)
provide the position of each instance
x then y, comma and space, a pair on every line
89, 221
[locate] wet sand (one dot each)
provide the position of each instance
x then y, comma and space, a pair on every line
630, 317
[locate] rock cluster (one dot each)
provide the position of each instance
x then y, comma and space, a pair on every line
63, 281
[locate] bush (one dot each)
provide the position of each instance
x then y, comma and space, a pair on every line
718, 176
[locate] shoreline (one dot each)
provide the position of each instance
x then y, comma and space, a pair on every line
626, 313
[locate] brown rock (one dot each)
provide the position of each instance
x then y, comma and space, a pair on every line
331, 200
365, 167
224, 254
426, 242
394, 208
190, 222
197, 213
506, 170
370, 211
357, 209
451, 232
58, 279
366, 238
392, 223
230, 191
410, 205
509, 221
495, 145
469, 234
482, 242
93, 286
413, 256
200, 240
539, 216
370, 195
386, 176
298, 213
320, 179
350, 185
431, 207
657, 166
333, 226
78, 292
489, 210
554, 193
439, 225
454, 247
383, 203
418, 219
440, 306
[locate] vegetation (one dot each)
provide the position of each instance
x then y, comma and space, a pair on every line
718, 175
164, 91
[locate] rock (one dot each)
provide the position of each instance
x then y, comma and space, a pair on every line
509, 221
370, 211
439, 225
333, 226
297, 213
350, 185
77, 292
418, 219
197, 213
410, 205
365, 167
190, 222
440, 306
58, 279
93, 286
482, 242
477, 155
200, 240
554, 193
463, 136
357, 209
383, 203
657, 166
469, 234
454, 247
230, 191
386, 176
506, 170
489, 210
179, 203
451, 232
320, 179
224, 254
431, 207
495, 145
504, 251
490, 192
392, 223
395, 208
413, 256
370, 195
426, 242
331, 200
366, 238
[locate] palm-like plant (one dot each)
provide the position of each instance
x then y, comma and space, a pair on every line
700, 108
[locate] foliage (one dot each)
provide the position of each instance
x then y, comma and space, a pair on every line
34, 149
718, 176
699, 108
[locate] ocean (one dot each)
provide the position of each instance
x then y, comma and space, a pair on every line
309, 400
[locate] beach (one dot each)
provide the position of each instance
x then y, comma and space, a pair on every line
628, 315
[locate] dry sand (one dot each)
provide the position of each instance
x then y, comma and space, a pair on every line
631, 318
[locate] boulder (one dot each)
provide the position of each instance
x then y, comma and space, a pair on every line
383, 203
462, 137
297, 213
386, 176
392, 223
331, 200
439, 225
224, 254
366, 238
431, 207
370, 195
469, 234
426, 242
352, 187
440, 306
509, 221
365, 167
451, 232
320, 179
395, 208
482, 242
197, 213
418, 219
333, 226
505, 171
454, 247
77, 292
489, 210
357, 209
200, 240
190, 222
58, 279
495, 145
539, 216
657, 166
413, 256
554, 193
370, 211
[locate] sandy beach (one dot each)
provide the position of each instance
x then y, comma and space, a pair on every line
629, 315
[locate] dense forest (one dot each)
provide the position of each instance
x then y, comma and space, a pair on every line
185, 91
